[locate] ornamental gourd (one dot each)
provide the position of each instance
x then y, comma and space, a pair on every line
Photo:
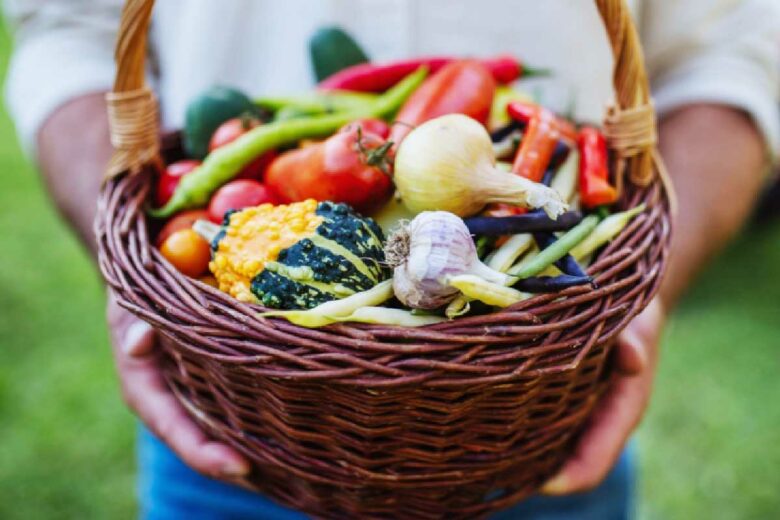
295, 256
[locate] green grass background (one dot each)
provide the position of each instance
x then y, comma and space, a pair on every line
709, 446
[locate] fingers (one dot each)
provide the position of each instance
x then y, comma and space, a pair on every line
636, 348
620, 410
138, 339
146, 393
601, 443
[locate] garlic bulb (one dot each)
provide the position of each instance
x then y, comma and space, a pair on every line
448, 164
427, 252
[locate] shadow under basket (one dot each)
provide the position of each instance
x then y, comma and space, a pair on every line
454, 420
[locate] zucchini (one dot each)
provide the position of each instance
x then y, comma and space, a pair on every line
331, 50
209, 110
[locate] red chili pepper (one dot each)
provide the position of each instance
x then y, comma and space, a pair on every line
595, 189
542, 132
461, 87
367, 77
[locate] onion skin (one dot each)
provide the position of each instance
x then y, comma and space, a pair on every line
447, 164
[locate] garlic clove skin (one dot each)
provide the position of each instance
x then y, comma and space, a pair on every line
440, 246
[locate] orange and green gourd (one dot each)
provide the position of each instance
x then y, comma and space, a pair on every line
295, 256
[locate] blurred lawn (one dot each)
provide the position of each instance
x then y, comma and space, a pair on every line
709, 446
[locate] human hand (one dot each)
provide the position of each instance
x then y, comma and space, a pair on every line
619, 411
145, 392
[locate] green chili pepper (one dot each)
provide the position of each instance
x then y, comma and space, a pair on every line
557, 250
224, 163
323, 101
299, 112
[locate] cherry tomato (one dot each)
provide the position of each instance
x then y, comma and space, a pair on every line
188, 252
231, 130
170, 178
238, 194
183, 220
369, 126
349, 167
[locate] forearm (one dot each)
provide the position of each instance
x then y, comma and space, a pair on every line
717, 160
73, 149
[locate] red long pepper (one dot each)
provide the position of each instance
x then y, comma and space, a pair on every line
543, 131
367, 77
461, 87
595, 189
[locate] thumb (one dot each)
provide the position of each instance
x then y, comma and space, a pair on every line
138, 339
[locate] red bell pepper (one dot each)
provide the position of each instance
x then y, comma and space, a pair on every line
595, 189
353, 166
542, 132
460, 87
367, 77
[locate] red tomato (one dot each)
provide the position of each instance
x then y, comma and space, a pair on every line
183, 220
337, 170
188, 252
231, 130
238, 194
369, 126
170, 178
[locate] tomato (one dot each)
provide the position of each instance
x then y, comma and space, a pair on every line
349, 168
183, 220
170, 178
231, 130
369, 126
188, 252
238, 194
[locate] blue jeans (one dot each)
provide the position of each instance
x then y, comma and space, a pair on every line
169, 490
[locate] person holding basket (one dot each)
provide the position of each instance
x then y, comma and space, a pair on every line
713, 69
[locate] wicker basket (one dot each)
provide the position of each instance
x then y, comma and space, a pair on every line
453, 420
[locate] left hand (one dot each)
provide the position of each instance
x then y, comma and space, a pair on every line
621, 408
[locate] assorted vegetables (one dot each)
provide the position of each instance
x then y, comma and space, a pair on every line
485, 195
378, 78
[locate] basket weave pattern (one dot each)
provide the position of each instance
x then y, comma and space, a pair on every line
453, 420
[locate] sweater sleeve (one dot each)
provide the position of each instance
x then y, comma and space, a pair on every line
62, 49
720, 51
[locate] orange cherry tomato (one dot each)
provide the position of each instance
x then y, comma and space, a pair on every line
183, 220
188, 252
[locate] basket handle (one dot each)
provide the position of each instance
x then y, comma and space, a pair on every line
132, 107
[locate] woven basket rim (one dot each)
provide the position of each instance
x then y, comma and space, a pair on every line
141, 277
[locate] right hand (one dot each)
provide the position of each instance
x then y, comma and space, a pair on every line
146, 393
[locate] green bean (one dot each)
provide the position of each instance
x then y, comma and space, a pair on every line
607, 229
226, 162
324, 101
559, 249
332, 311
491, 293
